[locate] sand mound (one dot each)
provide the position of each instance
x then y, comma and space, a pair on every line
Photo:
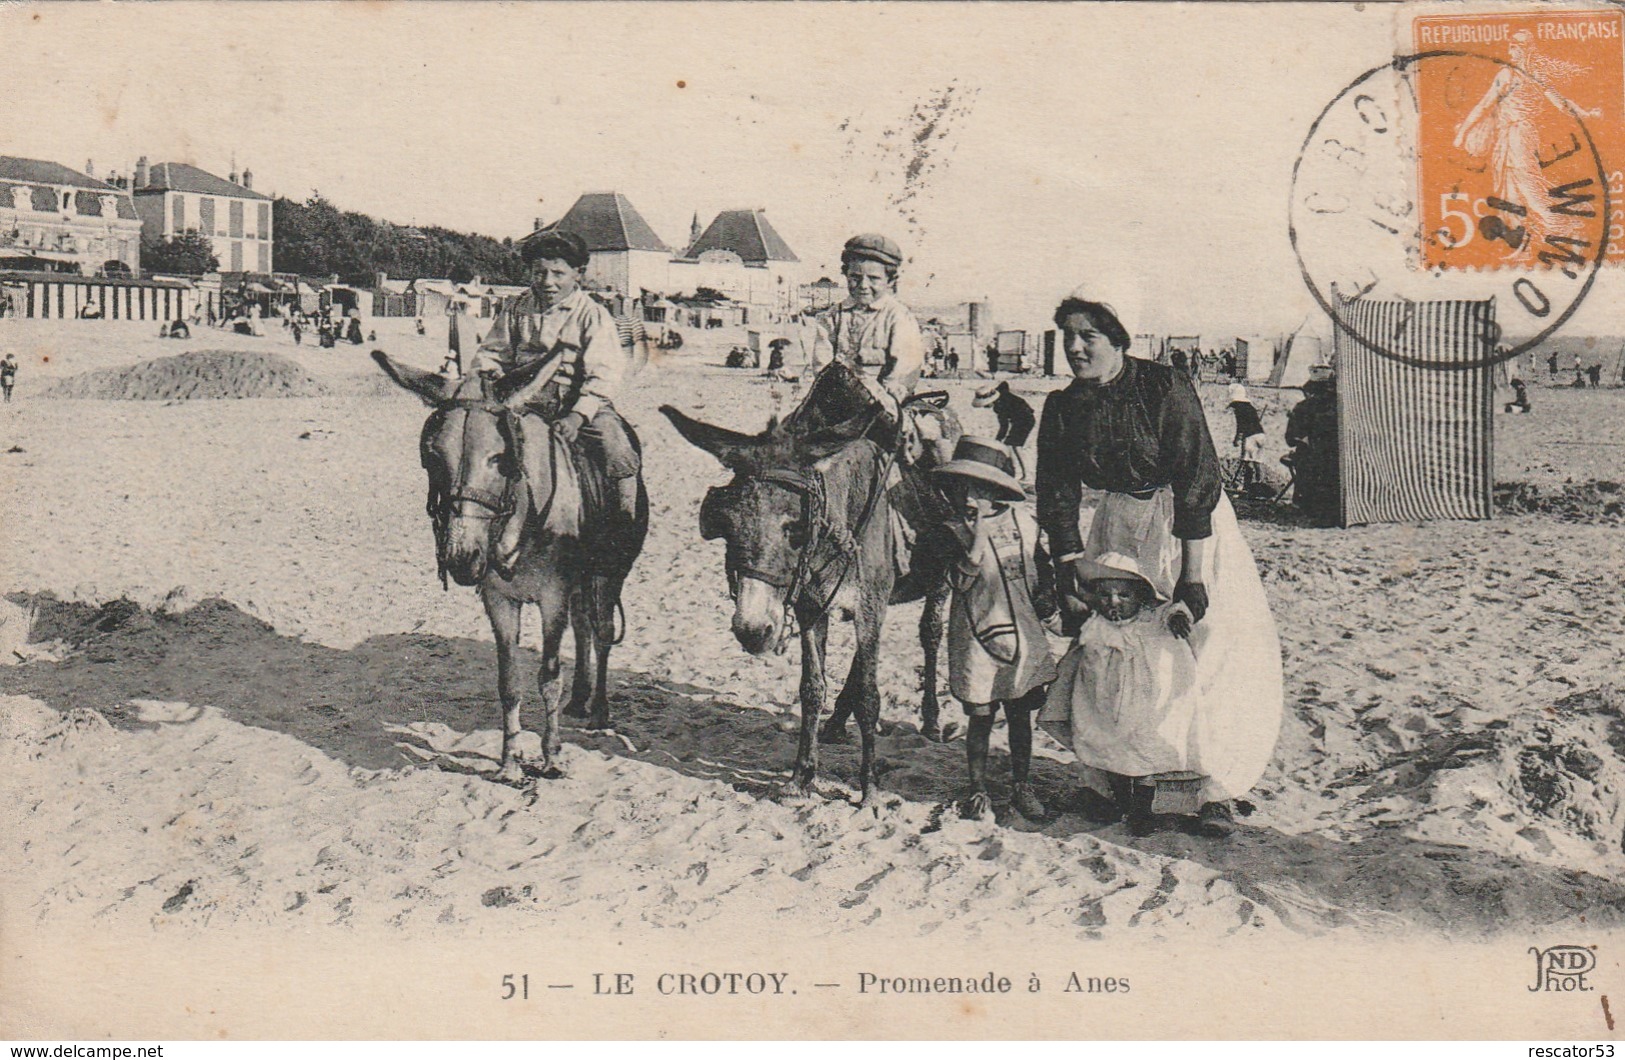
194, 375
1597, 501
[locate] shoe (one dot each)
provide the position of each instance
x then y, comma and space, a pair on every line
1024, 802
976, 807
1216, 821
1096, 808
1141, 821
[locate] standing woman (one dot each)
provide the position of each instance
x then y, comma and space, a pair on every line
1135, 428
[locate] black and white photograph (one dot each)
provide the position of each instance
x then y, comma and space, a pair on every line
812, 521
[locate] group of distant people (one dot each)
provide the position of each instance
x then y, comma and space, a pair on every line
1584, 374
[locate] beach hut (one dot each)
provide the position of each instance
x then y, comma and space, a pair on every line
1255, 358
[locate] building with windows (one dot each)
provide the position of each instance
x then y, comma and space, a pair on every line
741, 255
625, 256
174, 197
56, 219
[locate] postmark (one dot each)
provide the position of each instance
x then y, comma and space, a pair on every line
1360, 227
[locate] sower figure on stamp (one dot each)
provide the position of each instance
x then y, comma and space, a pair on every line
556, 318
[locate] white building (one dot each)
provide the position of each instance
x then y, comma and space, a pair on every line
53, 218
174, 197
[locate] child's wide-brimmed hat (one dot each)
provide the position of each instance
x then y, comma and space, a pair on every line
986, 461
1119, 565
988, 394
1237, 393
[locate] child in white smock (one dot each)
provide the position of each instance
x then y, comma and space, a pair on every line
998, 654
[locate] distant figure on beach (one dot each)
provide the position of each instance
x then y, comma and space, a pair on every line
1551, 365
1594, 373
775, 355
8, 374
298, 333
1311, 434
419, 323
177, 330
1249, 438
1519, 405
1016, 419
353, 332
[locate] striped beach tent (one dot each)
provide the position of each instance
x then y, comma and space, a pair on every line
1415, 423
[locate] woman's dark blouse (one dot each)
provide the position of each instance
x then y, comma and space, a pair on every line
1142, 431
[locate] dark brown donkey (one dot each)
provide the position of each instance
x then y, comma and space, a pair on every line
807, 524
506, 502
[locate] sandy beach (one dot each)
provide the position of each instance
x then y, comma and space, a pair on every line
236, 694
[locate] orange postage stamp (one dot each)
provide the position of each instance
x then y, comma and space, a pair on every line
1521, 140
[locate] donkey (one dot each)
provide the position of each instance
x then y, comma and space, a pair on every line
506, 503
807, 526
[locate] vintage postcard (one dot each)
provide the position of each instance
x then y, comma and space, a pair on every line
812, 521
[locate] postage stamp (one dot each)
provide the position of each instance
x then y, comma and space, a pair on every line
1507, 106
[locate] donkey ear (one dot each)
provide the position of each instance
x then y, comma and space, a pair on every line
732, 448
432, 387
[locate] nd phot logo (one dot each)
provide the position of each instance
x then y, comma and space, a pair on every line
1563, 968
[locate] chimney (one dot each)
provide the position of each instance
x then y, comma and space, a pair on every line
378, 279
90, 167
142, 174
694, 229
248, 178
536, 225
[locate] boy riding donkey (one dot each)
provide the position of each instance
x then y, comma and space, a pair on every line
557, 320
875, 335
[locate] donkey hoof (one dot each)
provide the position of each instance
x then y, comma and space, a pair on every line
793, 793
932, 732
550, 771
512, 773
833, 734
576, 708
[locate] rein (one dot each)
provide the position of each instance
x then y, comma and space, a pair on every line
821, 531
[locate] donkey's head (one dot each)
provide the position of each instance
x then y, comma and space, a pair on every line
469, 449
769, 516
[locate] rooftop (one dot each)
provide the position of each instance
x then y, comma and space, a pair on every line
607, 220
746, 233
36, 171
178, 176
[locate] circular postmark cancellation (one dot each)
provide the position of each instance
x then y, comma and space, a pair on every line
1450, 176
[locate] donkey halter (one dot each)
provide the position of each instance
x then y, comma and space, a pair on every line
442, 503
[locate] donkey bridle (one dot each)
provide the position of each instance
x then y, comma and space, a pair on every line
820, 532
442, 503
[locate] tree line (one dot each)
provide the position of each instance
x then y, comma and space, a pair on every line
316, 238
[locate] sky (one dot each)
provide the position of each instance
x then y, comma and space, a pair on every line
1143, 150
